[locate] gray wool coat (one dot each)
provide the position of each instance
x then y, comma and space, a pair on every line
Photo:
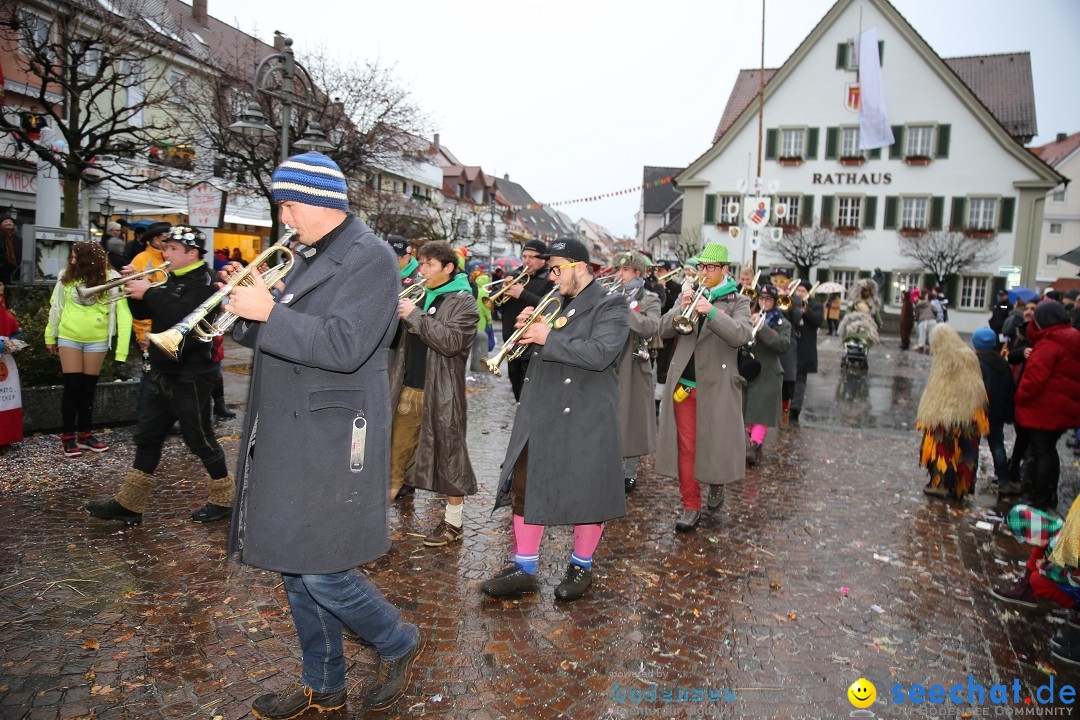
720, 455
764, 395
568, 416
442, 457
790, 359
319, 366
637, 408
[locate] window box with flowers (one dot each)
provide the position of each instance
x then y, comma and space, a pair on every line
846, 230
911, 231
853, 160
790, 161
917, 160
983, 233
724, 225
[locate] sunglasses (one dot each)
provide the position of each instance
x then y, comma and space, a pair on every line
556, 270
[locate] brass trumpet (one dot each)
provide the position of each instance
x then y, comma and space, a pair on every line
685, 321
171, 340
512, 349
751, 290
784, 301
410, 293
500, 297
688, 274
99, 293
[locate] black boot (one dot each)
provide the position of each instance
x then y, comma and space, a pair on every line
511, 582
574, 584
112, 510
392, 679
753, 453
211, 513
295, 701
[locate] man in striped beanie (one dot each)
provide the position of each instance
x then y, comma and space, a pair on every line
315, 459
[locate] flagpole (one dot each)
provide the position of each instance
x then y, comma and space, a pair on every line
760, 115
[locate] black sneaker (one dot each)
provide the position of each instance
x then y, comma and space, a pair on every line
688, 520
715, 498
753, 453
510, 582
574, 584
211, 513
222, 412
392, 679
70, 446
296, 700
86, 441
112, 510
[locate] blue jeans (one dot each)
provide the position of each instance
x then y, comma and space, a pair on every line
996, 441
321, 603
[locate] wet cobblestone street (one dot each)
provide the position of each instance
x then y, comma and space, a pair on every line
825, 565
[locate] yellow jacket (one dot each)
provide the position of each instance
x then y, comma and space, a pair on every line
151, 257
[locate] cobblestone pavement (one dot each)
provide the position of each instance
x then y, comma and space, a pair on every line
825, 565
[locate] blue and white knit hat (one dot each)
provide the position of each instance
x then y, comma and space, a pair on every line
311, 179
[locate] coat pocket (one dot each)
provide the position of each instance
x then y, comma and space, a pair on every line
344, 399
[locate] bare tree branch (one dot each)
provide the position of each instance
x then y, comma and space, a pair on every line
946, 254
688, 244
807, 247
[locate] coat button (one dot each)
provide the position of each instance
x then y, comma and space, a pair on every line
295, 414
535, 353
724, 366
566, 411
296, 370
518, 404
566, 381
526, 378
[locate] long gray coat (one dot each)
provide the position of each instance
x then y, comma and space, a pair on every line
764, 395
442, 457
567, 415
721, 437
637, 408
790, 358
320, 363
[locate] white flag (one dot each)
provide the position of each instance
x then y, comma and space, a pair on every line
874, 130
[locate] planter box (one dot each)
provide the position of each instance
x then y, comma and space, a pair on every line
911, 232
917, 160
846, 230
790, 161
114, 404
859, 160
979, 233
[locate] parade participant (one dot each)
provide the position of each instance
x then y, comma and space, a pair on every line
427, 386
117, 250
812, 317
407, 264
832, 312
790, 359
520, 296
1048, 397
179, 389
672, 293
764, 395
11, 343
907, 318
150, 257
637, 416
746, 277
10, 252
701, 437
81, 332
484, 341
1000, 388
564, 463
952, 416
311, 496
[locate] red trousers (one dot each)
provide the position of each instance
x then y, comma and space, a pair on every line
1044, 587
686, 428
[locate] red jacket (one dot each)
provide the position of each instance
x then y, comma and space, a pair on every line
1048, 397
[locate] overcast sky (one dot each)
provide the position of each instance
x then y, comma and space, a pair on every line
572, 98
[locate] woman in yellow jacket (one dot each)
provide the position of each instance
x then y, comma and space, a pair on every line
81, 334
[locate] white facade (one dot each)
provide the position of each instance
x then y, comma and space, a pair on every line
807, 96
1061, 224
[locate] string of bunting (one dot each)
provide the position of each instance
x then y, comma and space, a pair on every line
591, 198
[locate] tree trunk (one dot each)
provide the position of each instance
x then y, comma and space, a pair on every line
70, 217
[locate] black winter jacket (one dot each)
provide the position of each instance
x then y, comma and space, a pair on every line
167, 305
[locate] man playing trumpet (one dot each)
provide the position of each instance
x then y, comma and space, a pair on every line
179, 389
701, 428
520, 296
564, 464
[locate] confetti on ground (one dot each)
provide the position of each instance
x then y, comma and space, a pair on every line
1044, 668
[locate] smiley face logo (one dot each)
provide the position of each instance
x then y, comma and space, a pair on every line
862, 693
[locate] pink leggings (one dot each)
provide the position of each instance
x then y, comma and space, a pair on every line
757, 433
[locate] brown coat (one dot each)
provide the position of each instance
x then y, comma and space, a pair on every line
637, 409
442, 458
721, 437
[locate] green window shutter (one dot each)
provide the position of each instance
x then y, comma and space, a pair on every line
881, 53
841, 56
832, 141
1008, 208
896, 150
772, 137
864, 273
869, 219
888, 288
997, 284
937, 212
827, 202
956, 219
875, 154
811, 143
710, 209
823, 275
807, 210
952, 290
891, 203
943, 132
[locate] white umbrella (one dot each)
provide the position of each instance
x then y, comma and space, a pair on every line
828, 288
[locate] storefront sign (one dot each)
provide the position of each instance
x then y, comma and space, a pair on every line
852, 179
206, 205
16, 181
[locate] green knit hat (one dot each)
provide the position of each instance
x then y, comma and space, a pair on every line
713, 253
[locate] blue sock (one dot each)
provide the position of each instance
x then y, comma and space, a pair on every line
528, 563
583, 562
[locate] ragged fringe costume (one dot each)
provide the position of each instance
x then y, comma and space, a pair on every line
952, 415
862, 321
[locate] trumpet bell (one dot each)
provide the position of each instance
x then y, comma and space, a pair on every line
683, 325
492, 364
169, 342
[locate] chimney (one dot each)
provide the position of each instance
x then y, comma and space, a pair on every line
506, 176
1061, 136
198, 12
435, 144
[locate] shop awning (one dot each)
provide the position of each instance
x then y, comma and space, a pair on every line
244, 220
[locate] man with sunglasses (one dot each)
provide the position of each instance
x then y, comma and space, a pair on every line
179, 389
701, 436
520, 296
564, 462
